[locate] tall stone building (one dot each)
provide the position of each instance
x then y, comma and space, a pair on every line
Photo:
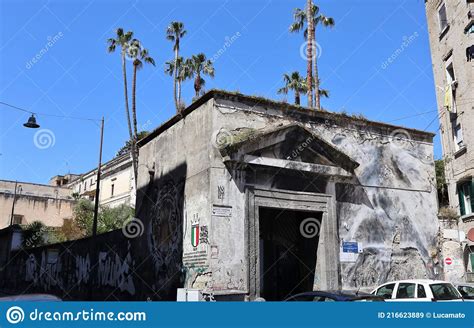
451, 30
117, 185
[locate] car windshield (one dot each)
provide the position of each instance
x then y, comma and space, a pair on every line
444, 292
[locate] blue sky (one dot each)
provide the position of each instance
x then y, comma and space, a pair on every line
76, 76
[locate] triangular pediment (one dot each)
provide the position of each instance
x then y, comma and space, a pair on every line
293, 147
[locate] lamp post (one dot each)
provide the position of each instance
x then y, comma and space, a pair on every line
14, 201
32, 124
97, 190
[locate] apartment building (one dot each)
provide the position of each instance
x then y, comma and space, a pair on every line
451, 31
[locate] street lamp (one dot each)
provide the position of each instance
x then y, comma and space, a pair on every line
32, 124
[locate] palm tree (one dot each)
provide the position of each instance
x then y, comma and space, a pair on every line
309, 51
181, 75
298, 25
174, 33
296, 83
199, 65
122, 39
140, 56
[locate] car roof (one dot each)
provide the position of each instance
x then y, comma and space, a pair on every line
417, 281
341, 294
30, 297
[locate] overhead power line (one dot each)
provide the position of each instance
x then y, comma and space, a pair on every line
46, 114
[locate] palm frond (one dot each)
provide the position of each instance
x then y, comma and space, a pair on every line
327, 21
112, 45
324, 93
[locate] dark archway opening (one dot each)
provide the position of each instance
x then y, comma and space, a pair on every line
288, 247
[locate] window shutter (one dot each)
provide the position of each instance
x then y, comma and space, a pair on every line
462, 208
471, 194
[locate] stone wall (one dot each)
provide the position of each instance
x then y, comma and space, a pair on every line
141, 261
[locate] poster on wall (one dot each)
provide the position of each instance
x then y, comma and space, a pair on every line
350, 251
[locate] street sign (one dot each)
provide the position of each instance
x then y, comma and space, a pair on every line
448, 261
350, 247
470, 234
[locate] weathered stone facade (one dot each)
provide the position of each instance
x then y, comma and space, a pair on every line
34, 202
369, 182
451, 31
243, 197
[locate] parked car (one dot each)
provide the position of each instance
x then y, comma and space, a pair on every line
31, 298
418, 290
466, 291
334, 296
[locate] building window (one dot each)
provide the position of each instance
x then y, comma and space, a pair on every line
17, 219
112, 187
443, 18
470, 53
457, 132
451, 84
466, 198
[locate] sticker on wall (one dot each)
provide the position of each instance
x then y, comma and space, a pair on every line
195, 234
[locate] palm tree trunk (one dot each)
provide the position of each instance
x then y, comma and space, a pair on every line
127, 114
179, 91
135, 125
309, 51
317, 96
197, 84
297, 98
134, 101
175, 73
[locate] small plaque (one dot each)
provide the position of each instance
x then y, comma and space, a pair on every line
224, 211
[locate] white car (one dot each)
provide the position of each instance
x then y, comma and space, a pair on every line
418, 290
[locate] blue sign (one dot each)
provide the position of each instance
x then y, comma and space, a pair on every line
350, 247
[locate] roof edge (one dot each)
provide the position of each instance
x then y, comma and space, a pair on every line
214, 93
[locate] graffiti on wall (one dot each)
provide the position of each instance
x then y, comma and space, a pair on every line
165, 231
112, 271
115, 272
46, 274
